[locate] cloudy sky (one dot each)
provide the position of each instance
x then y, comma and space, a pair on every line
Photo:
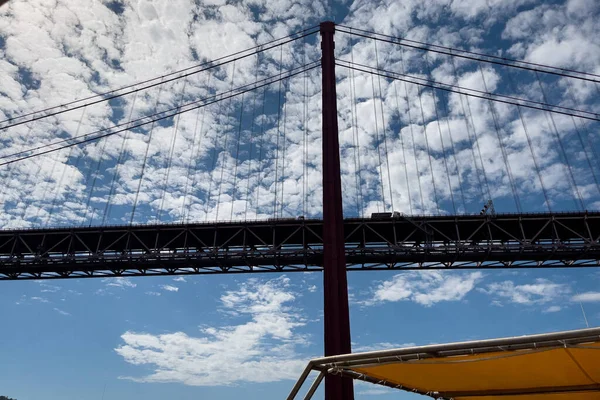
257, 155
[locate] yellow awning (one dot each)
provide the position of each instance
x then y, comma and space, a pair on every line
552, 366
546, 374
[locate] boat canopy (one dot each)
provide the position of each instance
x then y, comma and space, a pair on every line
552, 366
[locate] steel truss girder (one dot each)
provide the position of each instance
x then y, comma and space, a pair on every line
419, 242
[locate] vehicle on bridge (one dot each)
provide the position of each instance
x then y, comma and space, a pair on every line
386, 215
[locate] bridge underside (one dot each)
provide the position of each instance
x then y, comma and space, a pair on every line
417, 242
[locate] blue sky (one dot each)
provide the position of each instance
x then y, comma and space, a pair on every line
67, 339
250, 336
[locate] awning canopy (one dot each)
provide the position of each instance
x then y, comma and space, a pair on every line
555, 366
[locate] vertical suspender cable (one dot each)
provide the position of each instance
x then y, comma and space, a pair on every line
353, 128
108, 205
171, 151
185, 214
283, 160
403, 151
197, 155
535, 162
94, 179
215, 155
28, 199
437, 117
377, 145
252, 126
145, 160
305, 131
585, 151
277, 141
530, 144
412, 134
357, 146
437, 202
237, 154
487, 186
260, 151
590, 143
385, 145
460, 184
55, 161
225, 154
572, 181
472, 142
495, 119
64, 171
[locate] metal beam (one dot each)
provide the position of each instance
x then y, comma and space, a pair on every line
419, 242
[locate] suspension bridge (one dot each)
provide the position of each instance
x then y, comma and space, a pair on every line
378, 153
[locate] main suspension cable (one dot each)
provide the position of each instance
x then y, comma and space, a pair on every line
192, 106
499, 98
208, 65
473, 56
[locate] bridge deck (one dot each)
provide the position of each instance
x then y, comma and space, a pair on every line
462, 241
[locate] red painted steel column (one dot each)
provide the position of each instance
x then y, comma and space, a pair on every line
335, 285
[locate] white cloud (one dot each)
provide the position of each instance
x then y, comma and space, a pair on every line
553, 309
380, 346
541, 291
260, 349
42, 60
61, 312
587, 297
40, 299
376, 391
366, 389
119, 282
559, 34
150, 293
179, 279
312, 288
170, 288
46, 288
425, 287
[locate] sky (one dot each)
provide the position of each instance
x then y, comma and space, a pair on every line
257, 155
